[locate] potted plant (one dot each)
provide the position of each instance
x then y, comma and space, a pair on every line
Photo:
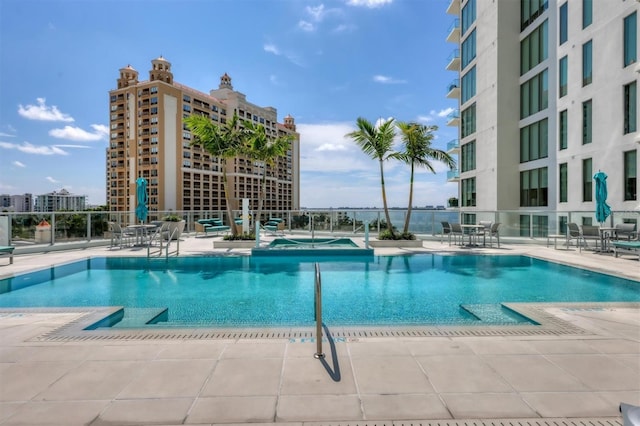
175, 226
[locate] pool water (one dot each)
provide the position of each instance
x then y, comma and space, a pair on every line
273, 291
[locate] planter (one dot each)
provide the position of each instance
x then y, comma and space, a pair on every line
239, 244
395, 243
174, 229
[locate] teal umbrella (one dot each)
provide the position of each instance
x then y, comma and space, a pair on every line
141, 195
602, 208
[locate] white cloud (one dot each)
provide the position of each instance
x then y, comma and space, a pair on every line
6, 135
306, 26
424, 118
369, 3
77, 134
272, 48
343, 28
18, 164
28, 148
387, 80
317, 13
52, 180
42, 112
443, 112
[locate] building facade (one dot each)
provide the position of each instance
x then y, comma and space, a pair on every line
149, 139
547, 97
60, 201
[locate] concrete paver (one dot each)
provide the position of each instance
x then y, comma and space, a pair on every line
191, 381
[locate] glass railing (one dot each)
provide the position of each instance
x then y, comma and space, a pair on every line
455, 84
42, 230
453, 144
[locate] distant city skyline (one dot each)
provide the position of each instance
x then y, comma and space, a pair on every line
325, 63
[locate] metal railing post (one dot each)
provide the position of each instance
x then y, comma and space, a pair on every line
318, 311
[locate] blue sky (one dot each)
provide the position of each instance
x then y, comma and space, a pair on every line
324, 62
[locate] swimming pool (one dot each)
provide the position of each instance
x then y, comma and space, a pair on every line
277, 292
312, 247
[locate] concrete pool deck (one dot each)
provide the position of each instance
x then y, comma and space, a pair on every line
495, 379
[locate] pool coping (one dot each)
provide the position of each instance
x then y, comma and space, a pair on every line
549, 325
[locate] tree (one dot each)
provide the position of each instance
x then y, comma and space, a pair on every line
223, 141
376, 142
418, 152
265, 150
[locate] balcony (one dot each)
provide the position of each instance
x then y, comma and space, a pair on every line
454, 32
453, 118
453, 89
454, 7
453, 146
453, 176
453, 62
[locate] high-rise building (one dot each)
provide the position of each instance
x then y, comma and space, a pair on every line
547, 97
59, 201
149, 139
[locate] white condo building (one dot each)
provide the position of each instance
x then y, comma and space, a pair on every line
547, 97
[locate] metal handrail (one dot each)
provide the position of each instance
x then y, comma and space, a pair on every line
318, 313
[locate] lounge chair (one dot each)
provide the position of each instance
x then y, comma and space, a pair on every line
7, 251
206, 226
274, 226
626, 247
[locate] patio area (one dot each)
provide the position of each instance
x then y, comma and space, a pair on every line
580, 370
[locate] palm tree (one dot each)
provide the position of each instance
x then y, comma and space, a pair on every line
417, 151
223, 141
259, 147
376, 142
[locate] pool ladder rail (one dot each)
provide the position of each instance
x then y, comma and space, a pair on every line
318, 313
160, 241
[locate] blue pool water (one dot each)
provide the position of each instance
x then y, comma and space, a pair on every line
246, 291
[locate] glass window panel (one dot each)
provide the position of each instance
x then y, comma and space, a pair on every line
524, 144
587, 63
630, 176
630, 48
563, 183
587, 13
563, 130
534, 146
563, 80
586, 122
630, 108
563, 22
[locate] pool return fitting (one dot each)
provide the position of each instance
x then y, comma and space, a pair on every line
318, 313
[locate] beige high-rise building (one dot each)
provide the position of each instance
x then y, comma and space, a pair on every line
149, 139
547, 97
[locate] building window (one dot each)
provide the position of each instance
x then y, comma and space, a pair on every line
563, 189
534, 95
468, 15
530, 10
154, 100
153, 89
630, 108
468, 192
630, 176
468, 118
564, 18
534, 141
587, 179
563, 78
186, 98
468, 49
587, 13
468, 85
587, 63
534, 187
562, 130
587, 115
630, 48
533, 48
468, 156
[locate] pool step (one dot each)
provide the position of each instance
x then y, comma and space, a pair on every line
139, 317
495, 314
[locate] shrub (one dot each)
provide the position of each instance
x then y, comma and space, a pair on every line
172, 218
239, 237
387, 235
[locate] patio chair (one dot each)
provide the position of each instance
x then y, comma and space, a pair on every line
446, 230
485, 231
591, 233
625, 231
494, 232
457, 231
119, 236
7, 251
574, 233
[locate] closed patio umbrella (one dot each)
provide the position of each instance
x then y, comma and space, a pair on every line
602, 208
141, 195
